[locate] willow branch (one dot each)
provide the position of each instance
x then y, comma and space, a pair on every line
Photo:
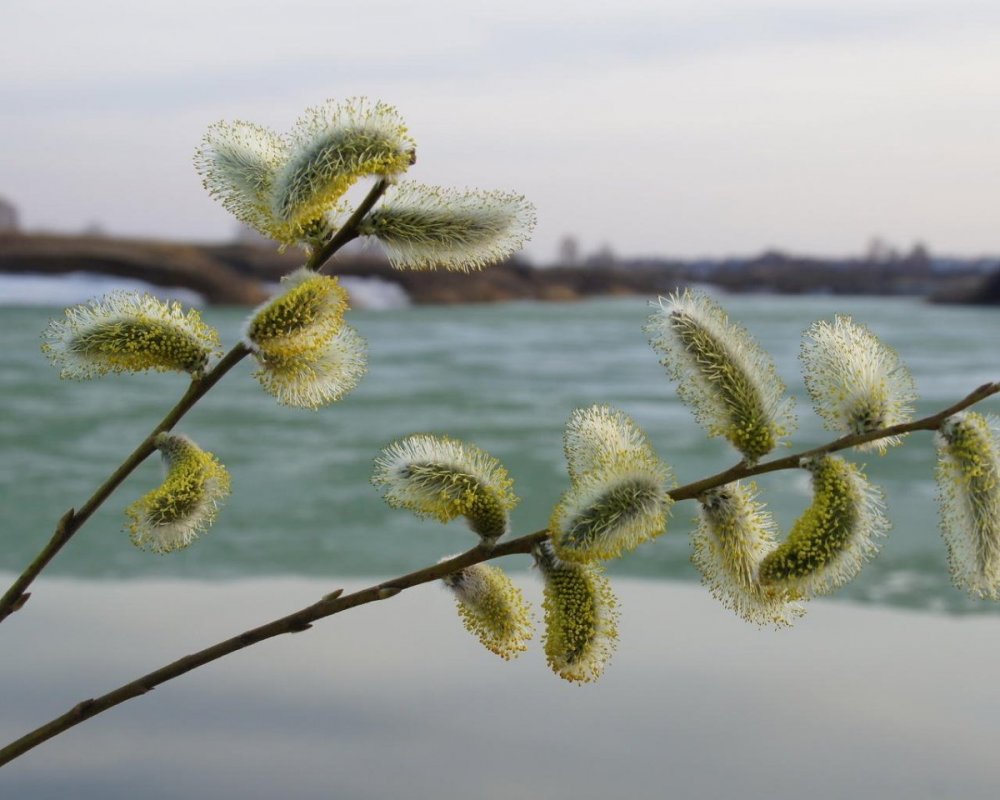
349, 230
74, 519
298, 621
742, 470
336, 602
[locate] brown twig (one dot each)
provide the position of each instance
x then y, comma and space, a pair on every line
335, 602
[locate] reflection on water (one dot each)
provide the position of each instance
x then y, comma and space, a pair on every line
396, 700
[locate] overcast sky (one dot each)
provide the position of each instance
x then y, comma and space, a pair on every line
678, 127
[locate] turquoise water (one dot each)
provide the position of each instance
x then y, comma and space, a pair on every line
503, 376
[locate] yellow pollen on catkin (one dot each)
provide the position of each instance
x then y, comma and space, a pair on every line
330, 148
968, 476
185, 504
492, 609
834, 537
129, 332
317, 377
581, 617
734, 534
443, 478
306, 315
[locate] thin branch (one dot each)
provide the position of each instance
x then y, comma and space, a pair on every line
336, 602
740, 471
296, 622
17, 595
349, 230
73, 520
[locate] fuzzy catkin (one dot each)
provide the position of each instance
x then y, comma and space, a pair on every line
174, 514
581, 617
443, 478
129, 332
834, 537
238, 162
857, 384
619, 493
968, 476
727, 378
331, 147
425, 227
492, 609
734, 534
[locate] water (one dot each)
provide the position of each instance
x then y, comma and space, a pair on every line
503, 376
396, 700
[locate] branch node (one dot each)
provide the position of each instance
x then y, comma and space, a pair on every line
385, 592
333, 595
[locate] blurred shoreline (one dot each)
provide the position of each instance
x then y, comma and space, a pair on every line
243, 274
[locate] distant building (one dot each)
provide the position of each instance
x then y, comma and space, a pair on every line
8, 217
568, 253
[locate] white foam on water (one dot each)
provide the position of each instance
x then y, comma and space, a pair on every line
374, 293
78, 287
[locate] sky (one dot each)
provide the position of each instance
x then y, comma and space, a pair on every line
659, 128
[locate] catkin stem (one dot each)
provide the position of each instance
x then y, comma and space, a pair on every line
335, 602
73, 520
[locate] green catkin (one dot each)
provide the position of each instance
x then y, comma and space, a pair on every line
425, 227
492, 609
129, 332
135, 345
968, 476
619, 494
305, 317
332, 147
748, 426
607, 513
459, 494
726, 377
620, 504
581, 617
443, 478
856, 383
184, 505
733, 536
833, 538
